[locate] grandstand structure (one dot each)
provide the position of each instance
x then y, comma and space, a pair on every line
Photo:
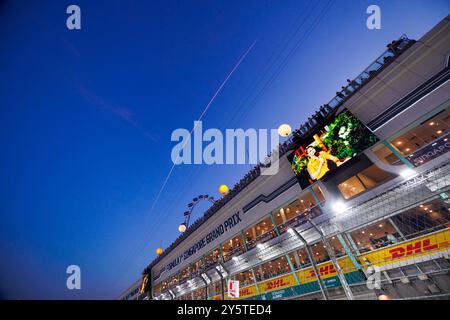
375, 226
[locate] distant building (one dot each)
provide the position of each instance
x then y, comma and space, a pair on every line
132, 293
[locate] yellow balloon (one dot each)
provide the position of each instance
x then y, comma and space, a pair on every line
223, 189
159, 251
284, 130
182, 228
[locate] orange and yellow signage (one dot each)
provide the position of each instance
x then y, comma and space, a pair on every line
409, 250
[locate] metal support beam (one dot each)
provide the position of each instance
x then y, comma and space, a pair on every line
349, 253
315, 197
398, 154
221, 282
220, 252
292, 269
345, 286
243, 240
274, 224
322, 287
206, 287
397, 228
255, 281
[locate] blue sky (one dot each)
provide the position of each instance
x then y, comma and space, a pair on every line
86, 117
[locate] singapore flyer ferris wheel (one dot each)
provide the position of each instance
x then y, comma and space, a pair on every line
190, 208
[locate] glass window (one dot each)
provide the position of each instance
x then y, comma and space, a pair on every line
186, 296
259, 233
211, 259
318, 192
425, 218
200, 294
196, 267
164, 286
373, 175
273, 268
216, 288
386, 155
319, 252
337, 247
423, 134
299, 259
351, 187
366, 179
293, 214
232, 247
245, 278
158, 289
173, 281
184, 275
375, 236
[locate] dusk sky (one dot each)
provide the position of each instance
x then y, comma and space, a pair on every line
87, 115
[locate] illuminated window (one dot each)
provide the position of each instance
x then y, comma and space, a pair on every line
386, 155
232, 247
423, 134
318, 192
372, 176
375, 236
273, 268
261, 232
295, 213
299, 259
212, 258
184, 275
319, 252
200, 294
336, 246
366, 179
215, 288
245, 278
424, 218
351, 187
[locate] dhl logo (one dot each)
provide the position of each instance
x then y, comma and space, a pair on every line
245, 292
276, 284
323, 270
416, 247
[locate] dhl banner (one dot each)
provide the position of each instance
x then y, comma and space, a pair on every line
277, 283
246, 292
326, 270
419, 249
412, 251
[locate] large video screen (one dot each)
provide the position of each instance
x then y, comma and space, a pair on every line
330, 147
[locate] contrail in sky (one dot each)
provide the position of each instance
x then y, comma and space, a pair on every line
216, 93
201, 116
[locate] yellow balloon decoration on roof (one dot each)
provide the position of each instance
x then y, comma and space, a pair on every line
223, 189
159, 251
284, 130
182, 228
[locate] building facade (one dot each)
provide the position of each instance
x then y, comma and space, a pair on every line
134, 292
376, 226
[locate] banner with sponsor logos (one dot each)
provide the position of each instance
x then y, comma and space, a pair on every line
285, 286
277, 283
246, 292
409, 250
